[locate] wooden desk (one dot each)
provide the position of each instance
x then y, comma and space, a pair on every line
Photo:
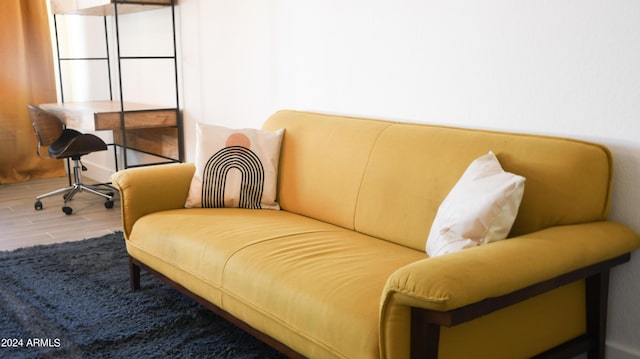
149, 129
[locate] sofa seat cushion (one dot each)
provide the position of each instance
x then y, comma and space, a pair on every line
200, 241
212, 251
319, 292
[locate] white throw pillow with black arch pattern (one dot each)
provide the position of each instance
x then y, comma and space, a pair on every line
235, 168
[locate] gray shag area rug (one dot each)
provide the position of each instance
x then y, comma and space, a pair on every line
73, 300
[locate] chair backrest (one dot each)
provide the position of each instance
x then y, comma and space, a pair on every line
48, 128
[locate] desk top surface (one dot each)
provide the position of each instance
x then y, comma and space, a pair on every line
82, 115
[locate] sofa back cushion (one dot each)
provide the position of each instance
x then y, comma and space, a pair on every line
387, 179
323, 161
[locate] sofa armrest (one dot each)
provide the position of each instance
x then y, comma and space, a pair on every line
455, 280
459, 287
145, 190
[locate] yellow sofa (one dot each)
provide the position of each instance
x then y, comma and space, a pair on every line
341, 270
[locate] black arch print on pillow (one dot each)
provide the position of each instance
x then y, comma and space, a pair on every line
215, 173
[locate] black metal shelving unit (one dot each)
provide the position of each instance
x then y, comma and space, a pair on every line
116, 9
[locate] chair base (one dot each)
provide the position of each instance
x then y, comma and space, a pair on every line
78, 187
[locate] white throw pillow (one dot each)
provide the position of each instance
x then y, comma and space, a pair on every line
480, 209
235, 168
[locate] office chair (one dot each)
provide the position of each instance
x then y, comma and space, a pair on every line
64, 143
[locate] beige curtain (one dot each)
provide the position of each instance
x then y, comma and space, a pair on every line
26, 76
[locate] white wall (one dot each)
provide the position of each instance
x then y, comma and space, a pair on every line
568, 68
562, 67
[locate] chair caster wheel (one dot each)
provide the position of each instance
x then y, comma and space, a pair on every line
67, 210
108, 204
38, 205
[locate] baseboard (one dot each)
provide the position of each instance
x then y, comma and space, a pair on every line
619, 351
97, 173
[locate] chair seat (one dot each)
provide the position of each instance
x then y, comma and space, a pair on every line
73, 143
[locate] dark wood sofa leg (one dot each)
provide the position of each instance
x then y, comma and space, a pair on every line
134, 275
597, 291
425, 336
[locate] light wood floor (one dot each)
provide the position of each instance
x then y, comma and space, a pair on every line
22, 226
